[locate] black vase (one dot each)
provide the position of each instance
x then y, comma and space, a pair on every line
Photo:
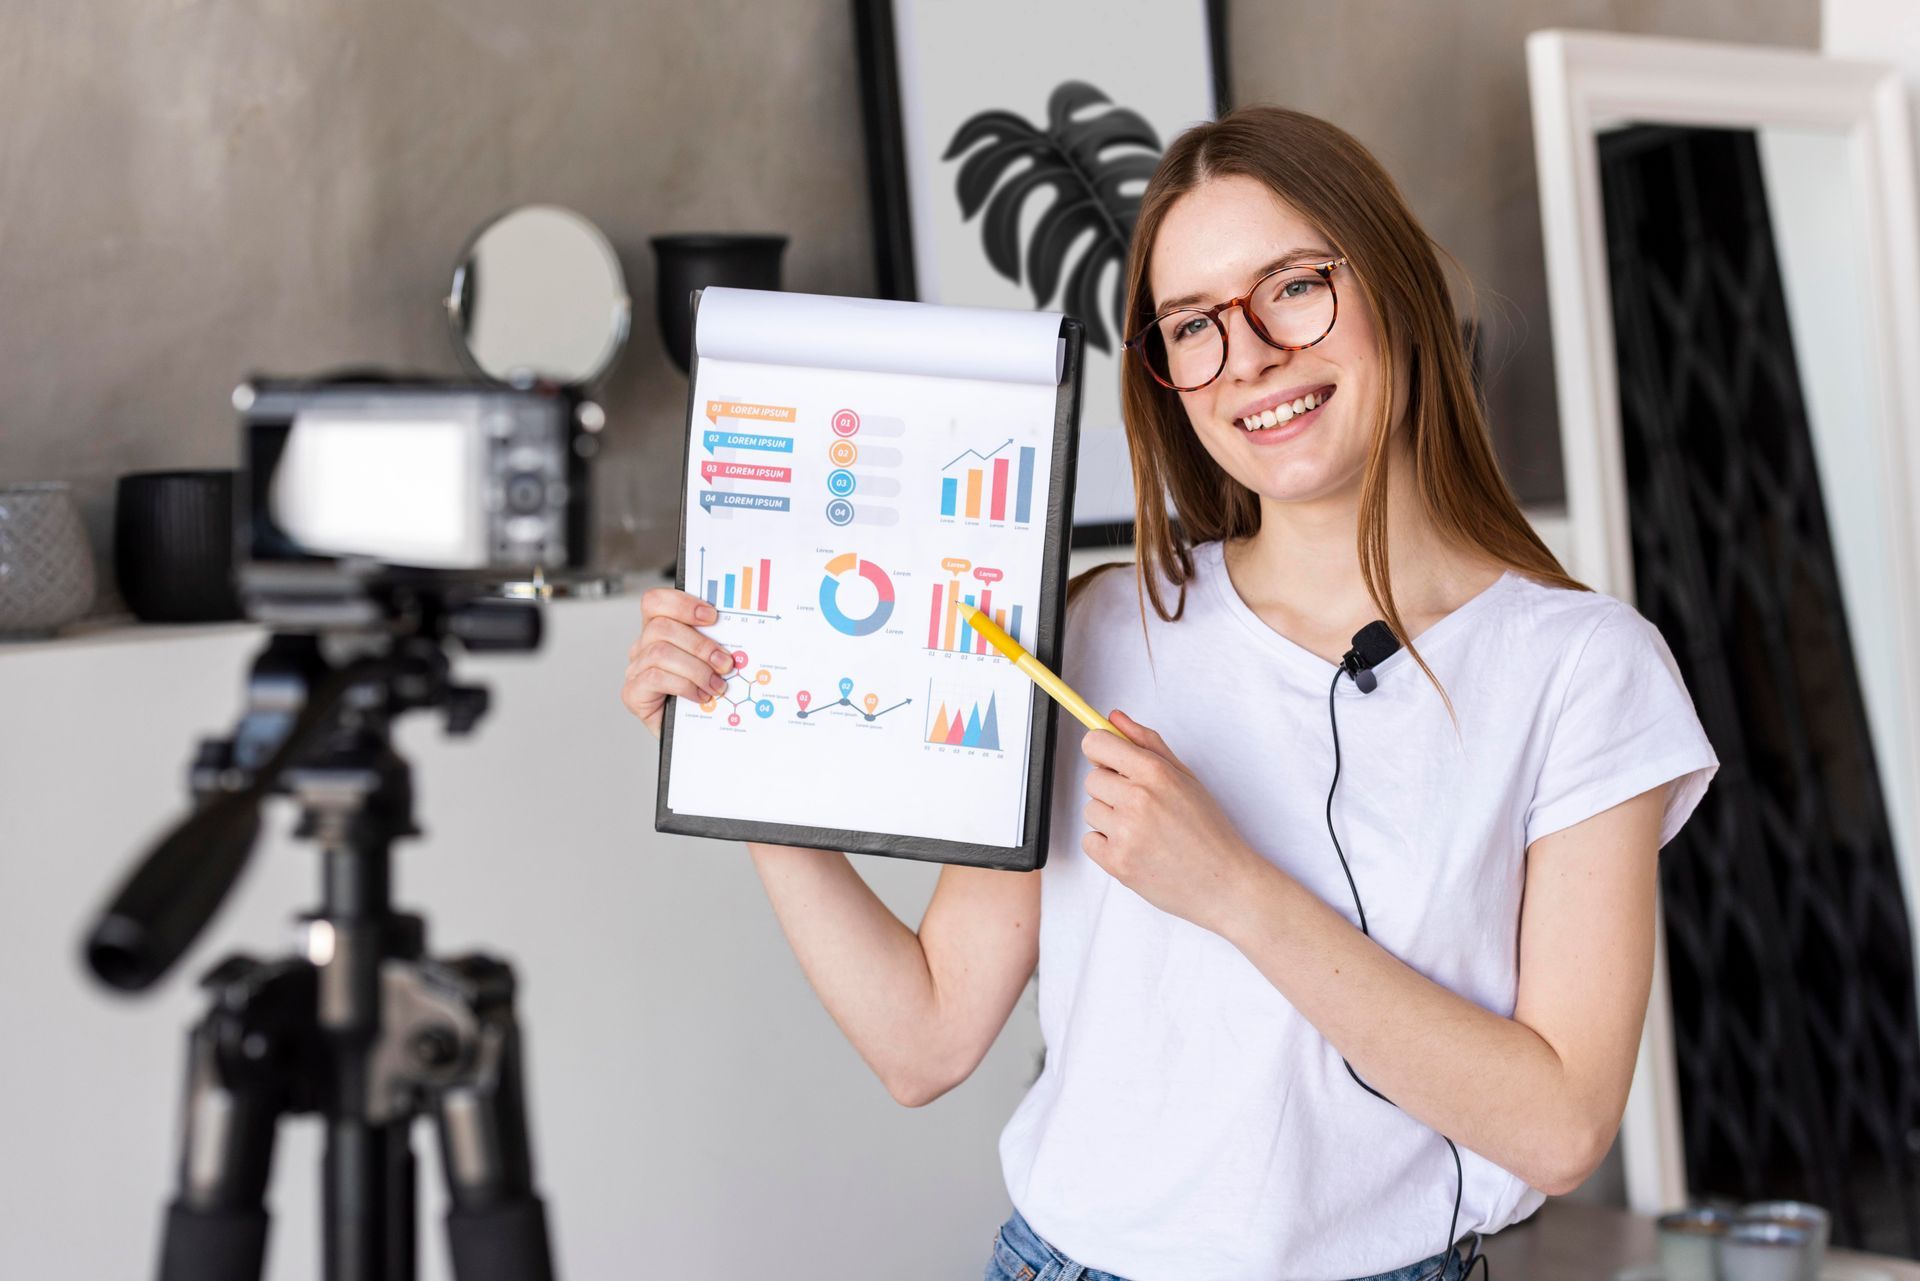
687, 263
173, 545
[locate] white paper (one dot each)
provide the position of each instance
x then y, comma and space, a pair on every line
822, 493
876, 335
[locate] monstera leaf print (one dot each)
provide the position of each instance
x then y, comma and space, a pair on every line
1084, 162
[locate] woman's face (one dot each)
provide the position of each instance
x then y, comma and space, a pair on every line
1214, 243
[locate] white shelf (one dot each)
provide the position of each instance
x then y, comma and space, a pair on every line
121, 629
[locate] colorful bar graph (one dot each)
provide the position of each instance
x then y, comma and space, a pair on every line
752, 587
985, 497
947, 626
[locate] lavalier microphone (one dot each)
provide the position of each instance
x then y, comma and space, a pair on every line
1372, 645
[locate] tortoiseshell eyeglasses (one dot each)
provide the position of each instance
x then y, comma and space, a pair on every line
1291, 308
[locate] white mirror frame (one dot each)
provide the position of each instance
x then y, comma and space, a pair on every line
1581, 83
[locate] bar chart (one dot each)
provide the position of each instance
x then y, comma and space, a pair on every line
980, 493
745, 591
947, 627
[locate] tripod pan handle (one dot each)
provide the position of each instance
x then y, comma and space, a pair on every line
168, 900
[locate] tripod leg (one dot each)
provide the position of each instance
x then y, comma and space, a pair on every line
401, 1185
216, 1228
369, 1201
497, 1227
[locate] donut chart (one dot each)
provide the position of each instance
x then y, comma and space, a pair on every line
837, 569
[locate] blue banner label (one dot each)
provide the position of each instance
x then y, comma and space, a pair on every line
712, 498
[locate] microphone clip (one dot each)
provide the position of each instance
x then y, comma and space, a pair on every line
1372, 644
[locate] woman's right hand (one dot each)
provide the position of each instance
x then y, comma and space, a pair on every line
670, 657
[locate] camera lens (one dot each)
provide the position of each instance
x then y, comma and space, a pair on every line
526, 493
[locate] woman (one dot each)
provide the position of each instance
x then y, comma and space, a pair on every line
1229, 998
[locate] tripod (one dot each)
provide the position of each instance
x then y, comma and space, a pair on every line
364, 1029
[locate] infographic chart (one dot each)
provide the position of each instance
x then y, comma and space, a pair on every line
873, 618
962, 719
839, 523
742, 691
864, 706
979, 492
947, 627
753, 580
866, 458
745, 468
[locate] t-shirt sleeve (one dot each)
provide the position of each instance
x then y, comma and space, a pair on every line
1625, 724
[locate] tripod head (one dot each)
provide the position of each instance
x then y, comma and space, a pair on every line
314, 728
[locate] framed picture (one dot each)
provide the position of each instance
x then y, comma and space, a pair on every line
1008, 144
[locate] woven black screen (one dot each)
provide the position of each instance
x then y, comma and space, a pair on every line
1788, 943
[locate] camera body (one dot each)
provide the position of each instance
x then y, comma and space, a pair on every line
360, 492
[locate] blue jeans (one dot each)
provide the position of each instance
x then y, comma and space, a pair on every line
1021, 1254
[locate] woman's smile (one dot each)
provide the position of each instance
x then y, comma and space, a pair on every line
1277, 418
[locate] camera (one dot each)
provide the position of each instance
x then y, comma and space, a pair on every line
361, 491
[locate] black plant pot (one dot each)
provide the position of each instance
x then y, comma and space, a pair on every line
173, 545
687, 263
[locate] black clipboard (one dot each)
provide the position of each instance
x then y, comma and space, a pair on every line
1031, 853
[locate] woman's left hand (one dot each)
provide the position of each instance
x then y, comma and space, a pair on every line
1158, 831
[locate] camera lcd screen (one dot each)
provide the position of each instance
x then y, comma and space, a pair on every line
413, 476
407, 491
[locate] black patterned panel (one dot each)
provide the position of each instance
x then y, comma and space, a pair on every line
1788, 939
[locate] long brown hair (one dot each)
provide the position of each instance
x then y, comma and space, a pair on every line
1338, 187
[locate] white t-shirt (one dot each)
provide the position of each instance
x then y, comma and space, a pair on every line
1189, 1125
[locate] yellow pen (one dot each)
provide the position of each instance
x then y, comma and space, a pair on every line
1061, 692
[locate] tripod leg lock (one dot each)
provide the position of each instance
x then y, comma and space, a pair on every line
466, 1056
216, 1228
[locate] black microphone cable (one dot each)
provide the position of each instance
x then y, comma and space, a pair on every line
1353, 665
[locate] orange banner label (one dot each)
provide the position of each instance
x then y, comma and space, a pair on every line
718, 409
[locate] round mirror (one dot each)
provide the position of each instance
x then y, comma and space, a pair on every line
539, 294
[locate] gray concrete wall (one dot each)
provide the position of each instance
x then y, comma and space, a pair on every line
189, 191
192, 191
